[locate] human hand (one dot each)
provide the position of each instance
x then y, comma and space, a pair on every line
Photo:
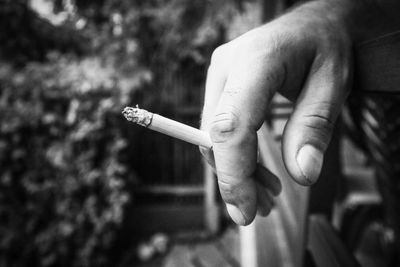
304, 55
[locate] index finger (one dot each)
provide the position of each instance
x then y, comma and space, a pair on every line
234, 113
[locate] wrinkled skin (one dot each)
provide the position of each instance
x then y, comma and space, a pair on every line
306, 55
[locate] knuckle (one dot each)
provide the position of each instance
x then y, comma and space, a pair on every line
223, 126
219, 54
268, 45
321, 124
316, 121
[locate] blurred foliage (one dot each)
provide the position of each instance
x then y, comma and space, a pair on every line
25, 36
63, 186
67, 70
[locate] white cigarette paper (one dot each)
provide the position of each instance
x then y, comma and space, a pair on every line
167, 126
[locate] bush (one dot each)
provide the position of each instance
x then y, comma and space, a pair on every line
65, 179
62, 185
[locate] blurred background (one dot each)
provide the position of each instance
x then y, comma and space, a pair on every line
81, 186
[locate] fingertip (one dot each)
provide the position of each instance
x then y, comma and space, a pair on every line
240, 199
309, 160
269, 180
263, 211
236, 215
242, 216
265, 202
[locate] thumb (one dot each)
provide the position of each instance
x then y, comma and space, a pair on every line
309, 129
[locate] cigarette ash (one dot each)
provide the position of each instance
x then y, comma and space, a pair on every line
137, 115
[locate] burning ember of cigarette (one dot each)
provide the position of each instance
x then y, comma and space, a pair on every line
137, 115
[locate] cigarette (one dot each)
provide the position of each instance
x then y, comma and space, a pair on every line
167, 126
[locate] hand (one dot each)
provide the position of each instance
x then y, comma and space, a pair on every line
304, 55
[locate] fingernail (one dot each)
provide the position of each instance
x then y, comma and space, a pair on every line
236, 214
310, 161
